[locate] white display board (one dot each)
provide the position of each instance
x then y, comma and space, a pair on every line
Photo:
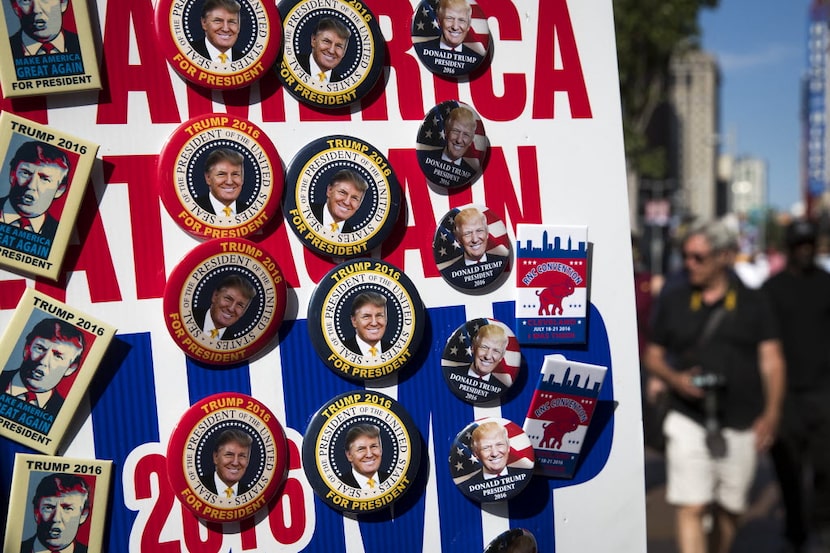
549, 104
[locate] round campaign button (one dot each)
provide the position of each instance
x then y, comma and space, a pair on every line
219, 44
515, 540
361, 452
224, 301
491, 459
342, 198
451, 37
220, 177
472, 248
481, 360
227, 457
365, 319
333, 52
452, 146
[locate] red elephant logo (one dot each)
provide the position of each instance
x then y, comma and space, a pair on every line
564, 420
550, 298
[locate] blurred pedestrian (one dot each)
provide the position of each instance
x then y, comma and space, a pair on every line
800, 298
715, 344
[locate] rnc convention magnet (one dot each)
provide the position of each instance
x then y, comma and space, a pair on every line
451, 37
333, 52
481, 360
472, 248
220, 177
342, 198
452, 146
361, 452
491, 459
365, 319
227, 457
219, 44
224, 301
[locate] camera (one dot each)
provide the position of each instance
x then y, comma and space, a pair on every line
709, 381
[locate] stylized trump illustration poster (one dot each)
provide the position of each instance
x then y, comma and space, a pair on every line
44, 175
355, 283
50, 48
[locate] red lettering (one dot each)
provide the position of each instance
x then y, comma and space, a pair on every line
247, 527
139, 173
120, 77
273, 98
192, 536
291, 530
153, 468
418, 235
444, 90
508, 106
500, 192
93, 254
555, 25
403, 64
308, 113
316, 266
276, 243
200, 101
10, 292
33, 107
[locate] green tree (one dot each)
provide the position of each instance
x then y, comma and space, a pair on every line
649, 32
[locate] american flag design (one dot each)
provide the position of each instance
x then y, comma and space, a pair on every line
425, 26
447, 250
431, 134
464, 464
458, 352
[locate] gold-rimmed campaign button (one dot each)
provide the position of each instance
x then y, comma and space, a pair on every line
227, 457
361, 452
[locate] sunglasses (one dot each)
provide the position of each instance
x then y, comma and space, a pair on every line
696, 257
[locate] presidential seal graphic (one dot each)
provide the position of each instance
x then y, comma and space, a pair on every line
227, 457
451, 37
342, 198
472, 249
452, 147
219, 44
365, 319
361, 452
491, 459
333, 52
220, 177
224, 301
481, 360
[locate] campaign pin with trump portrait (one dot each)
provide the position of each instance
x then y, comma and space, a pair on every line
219, 44
491, 459
342, 198
452, 147
220, 177
333, 52
361, 452
227, 457
472, 249
451, 37
481, 360
365, 319
224, 301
